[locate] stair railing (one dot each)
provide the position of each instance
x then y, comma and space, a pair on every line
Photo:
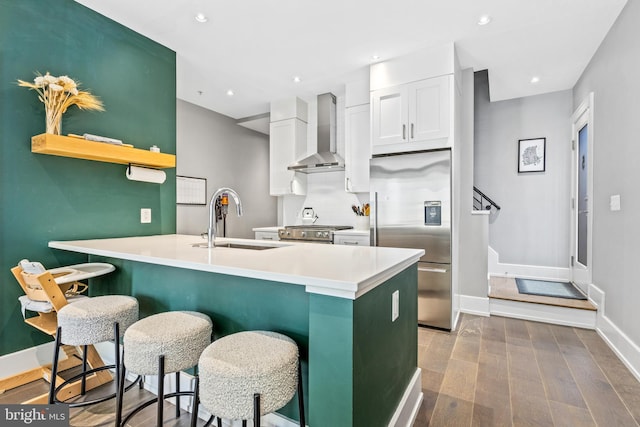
482, 202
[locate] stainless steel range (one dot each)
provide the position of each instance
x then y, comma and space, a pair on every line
310, 233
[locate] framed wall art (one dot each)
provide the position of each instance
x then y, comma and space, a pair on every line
531, 155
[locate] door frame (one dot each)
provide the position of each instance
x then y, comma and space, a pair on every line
581, 275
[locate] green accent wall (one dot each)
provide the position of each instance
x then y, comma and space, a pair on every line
44, 197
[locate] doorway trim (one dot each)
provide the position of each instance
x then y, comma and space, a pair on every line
581, 275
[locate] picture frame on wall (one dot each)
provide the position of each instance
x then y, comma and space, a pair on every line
532, 155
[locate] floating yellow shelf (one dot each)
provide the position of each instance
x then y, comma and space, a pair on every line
66, 146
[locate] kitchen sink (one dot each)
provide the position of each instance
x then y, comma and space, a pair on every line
237, 246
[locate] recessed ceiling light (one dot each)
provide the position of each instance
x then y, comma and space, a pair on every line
297, 79
535, 79
375, 57
230, 92
484, 20
200, 17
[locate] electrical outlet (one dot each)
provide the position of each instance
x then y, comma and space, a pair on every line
395, 305
145, 216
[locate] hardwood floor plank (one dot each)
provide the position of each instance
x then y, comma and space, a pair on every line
492, 403
604, 403
559, 384
460, 380
542, 339
439, 351
490, 410
530, 411
423, 419
493, 328
524, 375
453, 412
516, 329
569, 416
467, 348
431, 380
623, 382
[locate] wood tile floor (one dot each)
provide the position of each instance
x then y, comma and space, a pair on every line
497, 371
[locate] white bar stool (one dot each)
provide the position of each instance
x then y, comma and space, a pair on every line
160, 344
249, 374
90, 321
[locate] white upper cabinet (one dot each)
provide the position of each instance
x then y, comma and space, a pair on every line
413, 116
287, 143
390, 108
429, 115
357, 149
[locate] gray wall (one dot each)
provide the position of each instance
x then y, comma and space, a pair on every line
472, 229
211, 145
533, 226
613, 77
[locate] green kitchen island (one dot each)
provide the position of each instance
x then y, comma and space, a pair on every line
359, 365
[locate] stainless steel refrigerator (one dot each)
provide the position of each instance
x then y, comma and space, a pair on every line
411, 208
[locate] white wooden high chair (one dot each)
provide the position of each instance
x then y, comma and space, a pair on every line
46, 293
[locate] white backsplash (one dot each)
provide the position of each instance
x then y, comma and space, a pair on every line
326, 195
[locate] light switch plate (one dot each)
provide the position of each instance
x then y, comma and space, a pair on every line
145, 216
395, 305
614, 202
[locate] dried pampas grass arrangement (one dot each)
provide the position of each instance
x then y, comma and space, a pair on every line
57, 94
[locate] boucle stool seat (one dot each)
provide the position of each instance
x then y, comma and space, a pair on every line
164, 343
90, 321
249, 374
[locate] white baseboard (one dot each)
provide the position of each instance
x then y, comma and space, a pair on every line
496, 268
474, 305
30, 358
544, 313
626, 350
407, 410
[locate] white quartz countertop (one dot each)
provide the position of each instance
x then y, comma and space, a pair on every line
336, 270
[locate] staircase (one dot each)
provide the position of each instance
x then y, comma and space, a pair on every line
503, 295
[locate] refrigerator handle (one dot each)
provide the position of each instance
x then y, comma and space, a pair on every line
374, 219
432, 270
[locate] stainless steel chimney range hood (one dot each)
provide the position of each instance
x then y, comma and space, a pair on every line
325, 159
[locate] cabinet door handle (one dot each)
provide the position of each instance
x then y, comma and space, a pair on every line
411, 130
347, 185
291, 186
267, 238
350, 242
404, 132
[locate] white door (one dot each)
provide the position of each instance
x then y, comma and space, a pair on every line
429, 109
582, 194
389, 115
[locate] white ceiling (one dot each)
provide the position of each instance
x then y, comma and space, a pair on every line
255, 47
